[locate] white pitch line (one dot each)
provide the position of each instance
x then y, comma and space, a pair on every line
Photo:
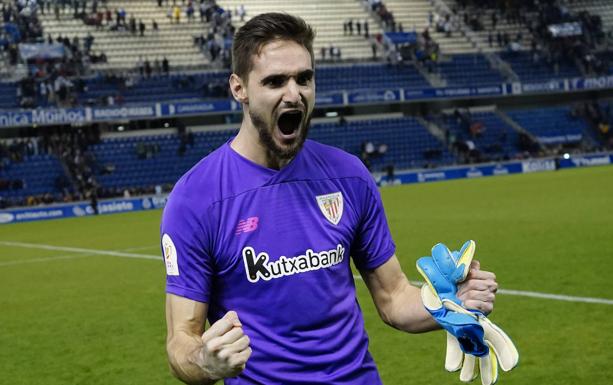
522, 293
534, 294
150, 247
36, 260
558, 297
80, 250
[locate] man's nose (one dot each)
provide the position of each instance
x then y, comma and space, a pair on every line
292, 92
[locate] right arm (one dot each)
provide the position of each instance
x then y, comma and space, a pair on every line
202, 357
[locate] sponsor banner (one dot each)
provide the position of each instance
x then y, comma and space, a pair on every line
565, 29
123, 113
81, 209
374, 96
591, 83
197, 108
550, 86
401, 37
560, 138
330, 99
43, 117
585, 161
538, 165
457, 92
41, 51
452, 173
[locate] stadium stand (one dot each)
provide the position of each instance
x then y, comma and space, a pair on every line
602, 8
454, 46
140, 162
492, 29
31, 179
191, 86
532, 67
360, 76
326, 17
417, 15
551, 126
124, 48
468, 69
480, 136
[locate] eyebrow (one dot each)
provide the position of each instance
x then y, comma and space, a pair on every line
270, 78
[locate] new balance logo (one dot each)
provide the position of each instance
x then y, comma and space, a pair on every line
247, 225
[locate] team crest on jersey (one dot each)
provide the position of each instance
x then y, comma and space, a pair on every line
331, 206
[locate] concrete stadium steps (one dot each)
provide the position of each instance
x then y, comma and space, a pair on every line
123, 50
413, 14
326, 17
601, 8
502, 25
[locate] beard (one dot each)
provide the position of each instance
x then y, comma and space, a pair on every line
276, 151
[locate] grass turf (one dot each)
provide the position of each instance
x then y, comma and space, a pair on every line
77, 318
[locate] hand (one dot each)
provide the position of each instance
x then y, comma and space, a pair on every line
478, 290
225, 348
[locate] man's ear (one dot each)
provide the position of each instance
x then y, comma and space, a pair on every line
239, 91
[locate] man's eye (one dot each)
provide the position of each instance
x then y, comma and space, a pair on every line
275, 82
304, 80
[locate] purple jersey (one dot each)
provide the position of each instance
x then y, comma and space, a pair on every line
274, 245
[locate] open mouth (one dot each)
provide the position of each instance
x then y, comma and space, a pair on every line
289, 122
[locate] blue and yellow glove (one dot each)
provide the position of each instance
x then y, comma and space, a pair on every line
470, 335
442, 272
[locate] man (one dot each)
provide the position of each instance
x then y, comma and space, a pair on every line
257, 238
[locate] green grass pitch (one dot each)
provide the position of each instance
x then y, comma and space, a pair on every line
69, 317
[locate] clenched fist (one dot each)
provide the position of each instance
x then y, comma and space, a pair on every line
225, 348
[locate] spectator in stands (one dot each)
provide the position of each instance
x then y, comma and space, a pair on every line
189, 11
176, 14
132, 25
165, 66
93, 199
141, 27
241, 12
147, 67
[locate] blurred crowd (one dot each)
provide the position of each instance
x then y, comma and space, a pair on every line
534, 20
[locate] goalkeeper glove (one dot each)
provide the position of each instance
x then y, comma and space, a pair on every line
486, 341
442, 272
502, 351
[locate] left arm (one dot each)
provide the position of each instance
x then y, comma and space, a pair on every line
399, 303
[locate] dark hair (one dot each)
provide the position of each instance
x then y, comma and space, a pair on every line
263, 29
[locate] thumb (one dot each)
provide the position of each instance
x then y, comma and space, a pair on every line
222, 326
232, 317
475, 265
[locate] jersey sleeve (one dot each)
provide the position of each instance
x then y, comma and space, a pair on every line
373, 244
185, 242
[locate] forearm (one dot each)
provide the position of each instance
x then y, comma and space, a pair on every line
405, 311
184, 359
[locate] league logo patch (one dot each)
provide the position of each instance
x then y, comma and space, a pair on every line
331, 206
170, 255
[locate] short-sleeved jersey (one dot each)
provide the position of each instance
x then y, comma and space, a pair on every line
274, 246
